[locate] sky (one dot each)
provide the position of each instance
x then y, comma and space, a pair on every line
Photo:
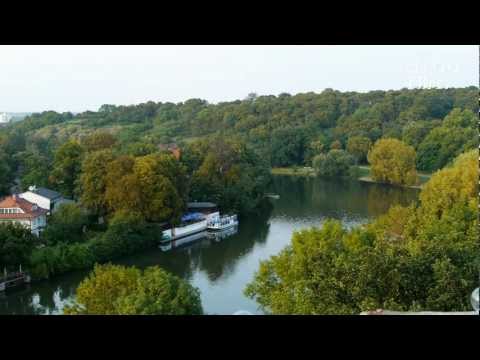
79, 78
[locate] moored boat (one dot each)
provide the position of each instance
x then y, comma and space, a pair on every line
222, 222
222, 234
193, 224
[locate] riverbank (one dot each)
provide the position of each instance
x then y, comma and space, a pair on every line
363, 174
294, 171
220, 267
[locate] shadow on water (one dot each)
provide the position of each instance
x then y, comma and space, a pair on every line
221, 269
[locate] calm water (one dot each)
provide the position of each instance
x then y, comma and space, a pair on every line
221, 269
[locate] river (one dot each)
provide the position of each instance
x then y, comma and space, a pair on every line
221, 269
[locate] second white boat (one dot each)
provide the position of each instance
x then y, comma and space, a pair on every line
219, 223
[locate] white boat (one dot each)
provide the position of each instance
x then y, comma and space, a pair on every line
222, 234
222, 222
170, 236
190, 229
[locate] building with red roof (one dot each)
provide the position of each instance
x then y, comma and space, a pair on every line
14, 209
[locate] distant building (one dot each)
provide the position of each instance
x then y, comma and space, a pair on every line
47, 199
14, 209
5, 118
172, 148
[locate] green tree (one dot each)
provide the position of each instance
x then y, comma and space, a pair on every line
67, 167
93, 181
359, 147
457, 134
118, 290
393, 162
100, 291
421, 257
66, 225
231, 175
99, 140
36, 170
288, 146
457, 184
127, 233
119, 177
317, 147
5, 174
140, 149
414, 132
335, 163
161, 293
336, 145
160, 199
16, 245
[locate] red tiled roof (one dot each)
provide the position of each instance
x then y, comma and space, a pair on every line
26, 206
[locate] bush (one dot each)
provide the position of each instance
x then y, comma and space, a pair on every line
127, 233
335, 163
66, 225
54, 260
16, 245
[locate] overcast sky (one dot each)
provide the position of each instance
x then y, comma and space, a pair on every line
79, 78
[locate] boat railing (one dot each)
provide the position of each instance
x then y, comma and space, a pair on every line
222, 220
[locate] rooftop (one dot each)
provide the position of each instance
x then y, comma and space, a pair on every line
30, 210
46, 193
201, 205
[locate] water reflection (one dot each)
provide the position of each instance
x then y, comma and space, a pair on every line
304, 198
220, 265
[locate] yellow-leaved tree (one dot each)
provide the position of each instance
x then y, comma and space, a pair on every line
393, 162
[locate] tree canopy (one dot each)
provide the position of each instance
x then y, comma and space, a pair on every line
359, 147
335, 163
414, 258
228, 173
393, 162
278, 128
16, 245
118, 290
67, 168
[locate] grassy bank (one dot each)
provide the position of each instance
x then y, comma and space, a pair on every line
363, 175
294, 171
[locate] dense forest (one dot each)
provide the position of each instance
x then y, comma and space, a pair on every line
283, 130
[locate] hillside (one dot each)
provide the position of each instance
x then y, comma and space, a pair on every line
284, 130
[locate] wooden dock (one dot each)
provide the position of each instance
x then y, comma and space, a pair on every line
14, 279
